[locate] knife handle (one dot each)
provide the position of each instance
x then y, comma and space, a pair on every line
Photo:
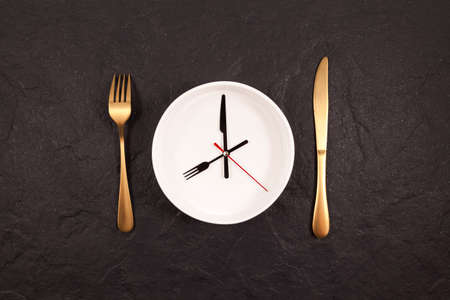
321, 220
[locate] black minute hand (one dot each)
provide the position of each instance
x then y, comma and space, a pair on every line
223, 128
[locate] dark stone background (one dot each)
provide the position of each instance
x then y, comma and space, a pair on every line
388, 159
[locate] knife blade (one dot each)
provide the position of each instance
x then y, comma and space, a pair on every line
321, 222
321, 104
223, 128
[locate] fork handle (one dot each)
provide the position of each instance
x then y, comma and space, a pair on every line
321, 220
125, 220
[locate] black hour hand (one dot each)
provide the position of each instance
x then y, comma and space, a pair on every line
205, 165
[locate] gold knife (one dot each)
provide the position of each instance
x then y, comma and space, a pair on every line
321, 221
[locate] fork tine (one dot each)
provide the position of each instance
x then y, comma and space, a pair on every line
192, 176
118, 88
128, 99
112, 89
122, 97
190, 170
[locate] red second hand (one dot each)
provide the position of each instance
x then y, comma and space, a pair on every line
215, 144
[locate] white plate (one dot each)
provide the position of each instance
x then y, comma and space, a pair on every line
185, 136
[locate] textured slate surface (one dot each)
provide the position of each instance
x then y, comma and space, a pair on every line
388, 160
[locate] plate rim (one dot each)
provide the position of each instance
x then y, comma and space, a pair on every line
285, 122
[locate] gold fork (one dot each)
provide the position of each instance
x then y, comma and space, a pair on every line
120, 111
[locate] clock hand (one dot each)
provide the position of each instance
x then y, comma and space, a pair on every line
215, 144
237, 146
223, 128
204, 165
